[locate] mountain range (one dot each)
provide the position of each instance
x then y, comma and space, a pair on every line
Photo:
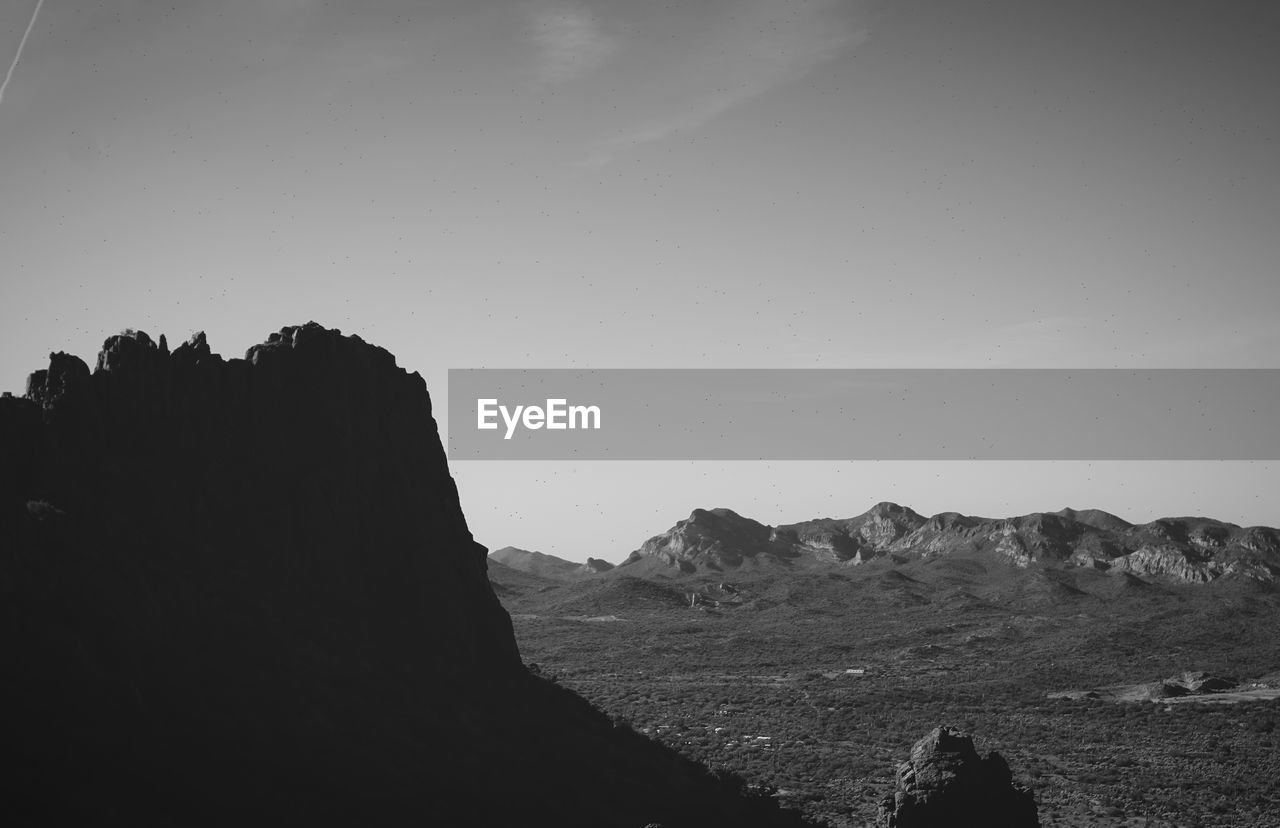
1193, 550
243, 590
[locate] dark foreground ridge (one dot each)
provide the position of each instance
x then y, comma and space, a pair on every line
243, 591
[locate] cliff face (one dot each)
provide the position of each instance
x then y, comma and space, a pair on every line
308, 476
243, 591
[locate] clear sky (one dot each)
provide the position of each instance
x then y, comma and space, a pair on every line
631, 184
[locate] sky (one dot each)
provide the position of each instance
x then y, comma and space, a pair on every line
547, 184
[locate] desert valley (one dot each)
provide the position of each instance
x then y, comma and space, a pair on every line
1129, 674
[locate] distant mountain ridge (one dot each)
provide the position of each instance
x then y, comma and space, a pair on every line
1183, 549
547, 566
714, 539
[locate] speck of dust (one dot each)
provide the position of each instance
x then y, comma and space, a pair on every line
556, 415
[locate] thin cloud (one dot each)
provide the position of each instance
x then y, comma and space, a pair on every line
751, 49
569, 42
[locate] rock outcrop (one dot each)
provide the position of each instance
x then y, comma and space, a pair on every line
1190, 683
856, 539
243, 590
715, 540
946, 783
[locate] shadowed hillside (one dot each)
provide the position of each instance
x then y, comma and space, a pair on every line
243, 591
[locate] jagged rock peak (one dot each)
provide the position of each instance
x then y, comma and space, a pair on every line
946, 782
133, 351
195, 351
127, 349
65, 375
197, 345
315, 340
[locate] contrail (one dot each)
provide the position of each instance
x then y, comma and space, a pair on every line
8, 76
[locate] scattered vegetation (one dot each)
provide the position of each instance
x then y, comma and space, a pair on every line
817, 708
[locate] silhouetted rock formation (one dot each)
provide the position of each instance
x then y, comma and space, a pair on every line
243, 591
310, 469
946, 783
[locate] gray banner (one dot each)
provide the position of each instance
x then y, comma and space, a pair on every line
864, 414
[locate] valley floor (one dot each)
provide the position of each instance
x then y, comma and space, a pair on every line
820, 705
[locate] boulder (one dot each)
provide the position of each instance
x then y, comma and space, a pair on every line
946, 783
1199, 681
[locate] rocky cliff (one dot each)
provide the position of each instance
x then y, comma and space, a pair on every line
311, 469
242, 590
945, 782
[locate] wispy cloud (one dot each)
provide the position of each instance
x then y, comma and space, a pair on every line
569, 40
749, 49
